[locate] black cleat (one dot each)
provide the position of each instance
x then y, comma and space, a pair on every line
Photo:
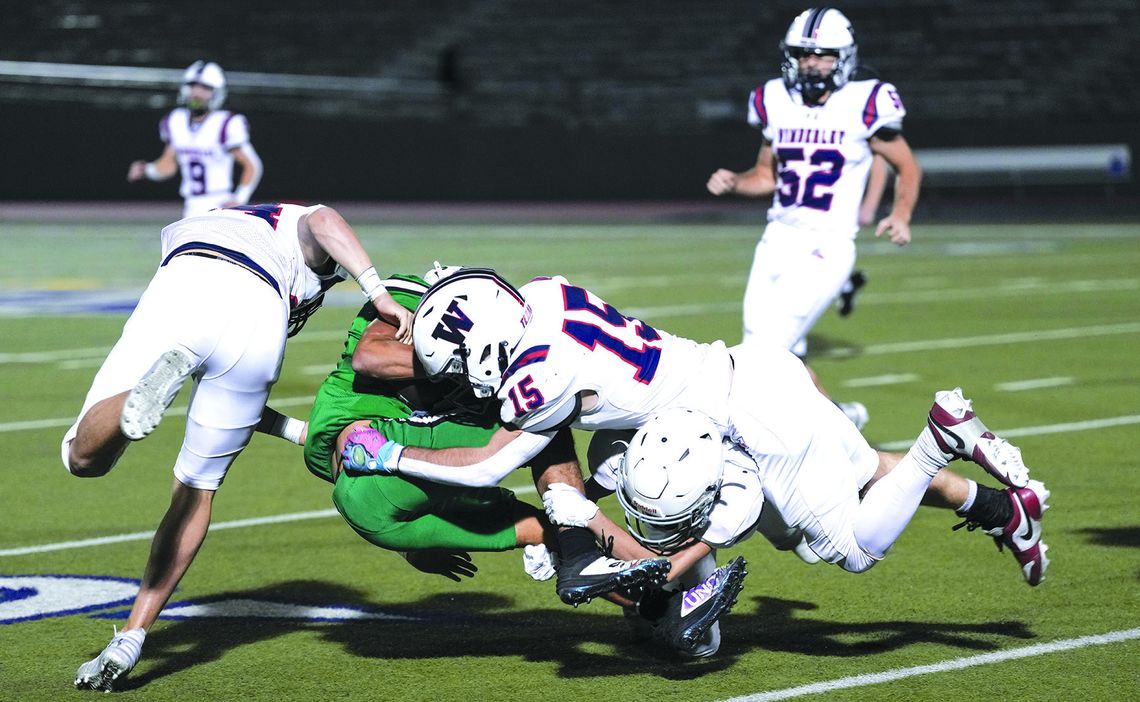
596, 574
698, 608
847, 295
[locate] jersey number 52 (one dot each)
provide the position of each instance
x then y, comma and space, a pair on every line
793, 191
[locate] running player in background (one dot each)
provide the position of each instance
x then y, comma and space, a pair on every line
203, 141
821, 133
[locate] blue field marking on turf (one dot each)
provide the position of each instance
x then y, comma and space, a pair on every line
25, 598
38, 303
887, 676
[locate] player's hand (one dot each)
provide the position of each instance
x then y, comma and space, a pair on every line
898, 228
453, 565
721, 182
229, 203
397, 314
539, 562
368, 451
137, 171
566, 506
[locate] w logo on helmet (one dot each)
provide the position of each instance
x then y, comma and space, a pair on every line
453, 325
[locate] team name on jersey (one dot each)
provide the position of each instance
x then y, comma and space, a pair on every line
811, 136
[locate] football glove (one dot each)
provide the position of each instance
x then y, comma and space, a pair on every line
566, 506
368, 451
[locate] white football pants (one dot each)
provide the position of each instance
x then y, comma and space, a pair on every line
232, 325
796, 274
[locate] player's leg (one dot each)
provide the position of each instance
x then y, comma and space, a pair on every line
1011, 516
175, 543
94, 443
240, 347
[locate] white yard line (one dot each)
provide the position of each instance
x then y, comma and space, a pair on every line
990, 340
876, 380
29, 424
1064, 428
887, 676
1033, 384
216, 526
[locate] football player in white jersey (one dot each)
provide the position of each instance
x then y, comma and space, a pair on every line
203, 141
232, 285
820, 485
556, 355
821, 132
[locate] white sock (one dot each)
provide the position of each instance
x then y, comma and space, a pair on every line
961, 511
130, 641
925, 450
890, 503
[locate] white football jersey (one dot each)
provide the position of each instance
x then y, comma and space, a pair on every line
266, 235
203, 149
822, 153
575, 341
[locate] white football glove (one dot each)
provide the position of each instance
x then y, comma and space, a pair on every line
437, 272
539, 562
566, 506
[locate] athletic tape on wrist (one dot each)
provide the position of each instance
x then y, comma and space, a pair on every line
370, 284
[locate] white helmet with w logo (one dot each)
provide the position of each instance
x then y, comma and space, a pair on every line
467, 325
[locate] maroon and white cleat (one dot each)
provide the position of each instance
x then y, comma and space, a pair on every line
1023, 533
961, 434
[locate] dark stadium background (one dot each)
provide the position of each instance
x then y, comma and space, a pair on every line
582, 100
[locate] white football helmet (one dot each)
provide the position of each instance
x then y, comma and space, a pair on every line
670, 478
209, 74
467, 325
824, 31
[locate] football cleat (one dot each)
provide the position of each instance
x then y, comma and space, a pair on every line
847, 296
961, 434
1023, 533
693, 613
148, 400
595, 574
856, 412
115, 661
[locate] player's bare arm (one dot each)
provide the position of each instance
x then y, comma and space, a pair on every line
381, 354
873, 194
251, 169
163, 167
897, 153
758, 181
481, 466
323, 233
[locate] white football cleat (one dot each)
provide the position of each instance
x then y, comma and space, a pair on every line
961, 434
856, 412
115, 661
148, 400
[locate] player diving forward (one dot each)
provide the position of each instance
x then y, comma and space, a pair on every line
375, 380
555, 355
203, 141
